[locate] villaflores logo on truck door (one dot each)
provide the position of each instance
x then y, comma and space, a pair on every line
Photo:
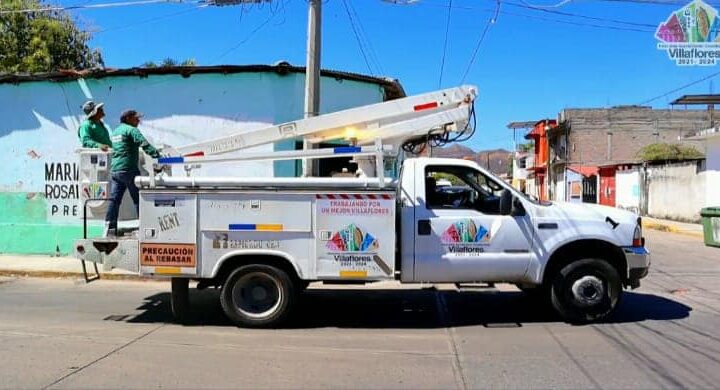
465, 237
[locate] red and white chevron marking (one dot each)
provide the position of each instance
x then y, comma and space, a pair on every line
353, 196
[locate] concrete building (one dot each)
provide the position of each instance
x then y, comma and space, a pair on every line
39, 210
711, 139
597, 142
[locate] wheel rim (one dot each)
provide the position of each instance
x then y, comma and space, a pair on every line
588, 291
257, 294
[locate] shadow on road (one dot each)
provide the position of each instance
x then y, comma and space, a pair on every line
427, 308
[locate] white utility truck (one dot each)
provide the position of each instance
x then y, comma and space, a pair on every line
263, 240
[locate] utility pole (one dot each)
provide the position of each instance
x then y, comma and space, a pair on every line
312, 71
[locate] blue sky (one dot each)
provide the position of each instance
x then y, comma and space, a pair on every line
530, 65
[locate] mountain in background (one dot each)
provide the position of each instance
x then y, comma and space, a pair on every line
497, 160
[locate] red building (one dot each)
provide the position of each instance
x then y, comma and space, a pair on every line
539, 136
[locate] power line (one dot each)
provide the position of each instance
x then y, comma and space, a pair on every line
558, 5
564, 21
274, 13
490, 22
372, 55
582, 24
617, 21
680, 88
357, 36
652, 2
447, 30
151, 20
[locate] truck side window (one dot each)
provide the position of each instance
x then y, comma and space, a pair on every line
454, 187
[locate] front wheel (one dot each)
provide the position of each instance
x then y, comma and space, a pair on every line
257, 295
586, 290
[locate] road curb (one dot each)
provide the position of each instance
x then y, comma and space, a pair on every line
670, 229
70, 275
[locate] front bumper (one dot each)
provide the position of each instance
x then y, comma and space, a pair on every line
638, 263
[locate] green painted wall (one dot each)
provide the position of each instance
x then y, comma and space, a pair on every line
24, 228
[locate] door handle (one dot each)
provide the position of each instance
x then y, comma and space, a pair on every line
424, 227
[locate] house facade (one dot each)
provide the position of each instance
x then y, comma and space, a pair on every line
596, 143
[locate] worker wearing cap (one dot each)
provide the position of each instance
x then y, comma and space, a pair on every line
126, 140
92, 131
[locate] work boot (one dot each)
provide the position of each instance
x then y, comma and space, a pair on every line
109, 231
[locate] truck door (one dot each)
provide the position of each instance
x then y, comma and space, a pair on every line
459, 232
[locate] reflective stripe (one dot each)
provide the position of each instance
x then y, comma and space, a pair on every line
171, 160
636, 250
168, 270
346, 149
263, 227
353, 274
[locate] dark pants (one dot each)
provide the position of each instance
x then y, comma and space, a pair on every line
121, 180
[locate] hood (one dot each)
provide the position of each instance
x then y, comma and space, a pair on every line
584, 220
595, 211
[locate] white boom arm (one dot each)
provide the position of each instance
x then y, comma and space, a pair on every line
393, 121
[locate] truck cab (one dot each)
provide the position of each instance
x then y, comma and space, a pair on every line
481, 229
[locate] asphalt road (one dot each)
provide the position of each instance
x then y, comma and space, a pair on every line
61, 333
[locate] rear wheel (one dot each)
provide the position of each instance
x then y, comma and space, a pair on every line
257, 295
586, 290
180, 298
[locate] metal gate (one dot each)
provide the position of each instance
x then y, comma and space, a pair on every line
589, 194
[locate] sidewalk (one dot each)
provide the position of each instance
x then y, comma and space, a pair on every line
51, 266
688, 229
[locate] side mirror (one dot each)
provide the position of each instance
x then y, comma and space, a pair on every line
517, 209
506, 202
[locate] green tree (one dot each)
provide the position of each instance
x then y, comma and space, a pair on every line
668, 152
189, 62
526, 147
42, 41
168, 63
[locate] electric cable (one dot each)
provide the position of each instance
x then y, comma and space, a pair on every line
357, 37
708, 77
372, 55
490, 22
151, 20
433, 138
444, 52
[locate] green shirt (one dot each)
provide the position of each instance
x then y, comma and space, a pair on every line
125, 143
92, 134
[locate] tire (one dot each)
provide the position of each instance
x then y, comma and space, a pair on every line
586, 290
258, 296
180, 298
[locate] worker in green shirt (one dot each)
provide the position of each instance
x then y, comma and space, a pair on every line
92, 132
126, 139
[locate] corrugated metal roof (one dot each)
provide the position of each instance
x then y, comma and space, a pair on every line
697, 99
391, 87
521, 125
